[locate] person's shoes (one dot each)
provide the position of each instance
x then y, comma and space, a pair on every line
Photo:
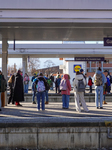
0, 110
38, 109
104, 102
63, 108
34, 102
101, 107
46, 102
97, 107
8, 102
80, 104
19, 105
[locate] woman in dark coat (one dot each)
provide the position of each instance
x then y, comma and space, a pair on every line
11, 86
18, 89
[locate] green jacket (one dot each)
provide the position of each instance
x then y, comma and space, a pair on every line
3, 84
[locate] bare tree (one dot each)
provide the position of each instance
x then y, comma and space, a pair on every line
49, 65
33, 65
12, 69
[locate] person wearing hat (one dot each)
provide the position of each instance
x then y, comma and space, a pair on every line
18, 89
82, 71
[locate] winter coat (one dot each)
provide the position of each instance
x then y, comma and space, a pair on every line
67, 92
58, 82
103, 77
52, 78
26, 80
90, 82
3, 84
18, 89
75, 82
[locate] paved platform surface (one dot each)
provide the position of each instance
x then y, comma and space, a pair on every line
29, 110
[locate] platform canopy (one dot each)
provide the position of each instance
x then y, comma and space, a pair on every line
56, 20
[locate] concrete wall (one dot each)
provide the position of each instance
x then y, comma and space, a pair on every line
85, 137
58, 98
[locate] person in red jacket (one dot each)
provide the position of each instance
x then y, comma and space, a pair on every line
66, 93
90, 84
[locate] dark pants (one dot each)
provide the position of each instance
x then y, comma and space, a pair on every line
56, 88
11, 96
108, 89
90, 89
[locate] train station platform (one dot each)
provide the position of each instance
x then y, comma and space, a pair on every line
55, 128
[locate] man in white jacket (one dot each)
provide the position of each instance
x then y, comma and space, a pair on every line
79, 95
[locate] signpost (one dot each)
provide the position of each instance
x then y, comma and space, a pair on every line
108, 41
89, 59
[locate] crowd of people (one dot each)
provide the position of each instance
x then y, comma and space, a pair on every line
42, 84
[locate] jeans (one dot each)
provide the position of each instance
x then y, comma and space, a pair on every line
33, 97
46, 95
0, 101
98, 91
25, 88
65, 100
40, 95
104, 97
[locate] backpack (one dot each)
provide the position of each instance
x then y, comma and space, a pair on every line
63, 85
80, 86
40, 86
98, 80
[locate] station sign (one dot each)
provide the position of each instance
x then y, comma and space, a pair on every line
107, 41
77, 68
89, 59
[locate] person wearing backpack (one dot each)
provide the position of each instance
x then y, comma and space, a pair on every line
79, 88
41, 85
99, 81
90, 83
65, 88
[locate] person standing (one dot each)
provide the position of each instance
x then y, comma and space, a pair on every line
47, 89
99, 81
106, 87
11, 82
90, 83
26, 83
58, 84
65, 88
41, 88
3, 86
79, 88
33, 89
18, 89
52, 79
34, 76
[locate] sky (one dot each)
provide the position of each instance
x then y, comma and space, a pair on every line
18, 62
